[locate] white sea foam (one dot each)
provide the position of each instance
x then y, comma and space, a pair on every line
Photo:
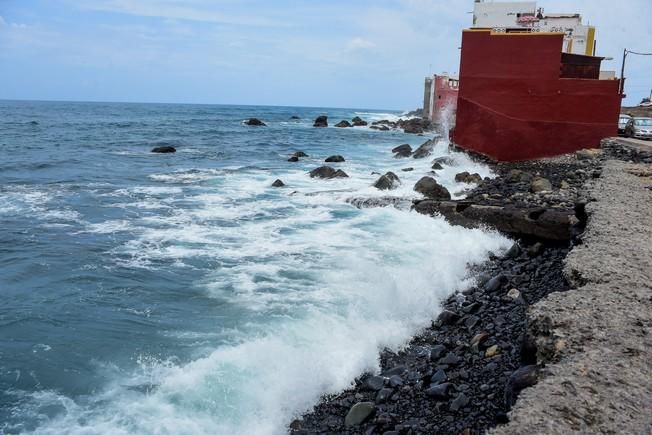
325, 287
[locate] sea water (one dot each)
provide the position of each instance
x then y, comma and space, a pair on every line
180, 293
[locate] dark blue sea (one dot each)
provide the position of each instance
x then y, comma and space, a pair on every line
181, 293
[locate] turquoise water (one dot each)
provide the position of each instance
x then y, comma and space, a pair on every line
180, 293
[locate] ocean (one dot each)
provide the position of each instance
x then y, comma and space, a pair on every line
180, 293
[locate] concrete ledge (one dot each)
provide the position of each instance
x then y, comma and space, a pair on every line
596, 340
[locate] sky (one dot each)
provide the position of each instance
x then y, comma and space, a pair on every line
324, 53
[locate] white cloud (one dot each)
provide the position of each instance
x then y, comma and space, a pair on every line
2, 21
191, 10
359, 44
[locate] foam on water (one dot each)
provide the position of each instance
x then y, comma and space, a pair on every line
326, 287
244, 303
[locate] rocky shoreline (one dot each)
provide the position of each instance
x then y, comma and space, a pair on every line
464, 372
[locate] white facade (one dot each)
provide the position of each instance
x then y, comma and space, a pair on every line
502, 16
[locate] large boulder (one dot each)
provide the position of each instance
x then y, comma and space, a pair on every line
343, 124
428, 187
255, 122
327, 172
404, 150
358, 122
335, 159
278, 183
388, 181
465, 177
164, 149
321, 121
414, 125
424, 150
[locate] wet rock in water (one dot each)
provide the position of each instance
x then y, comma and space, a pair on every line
379, 127
540, 184
373, 383
397, 370
255, 122
327, 172
343, 124
522, 378
437, 166
444, 160
278, 183
321, 121
293, 159
388, 181
429, 188
299, 154
407, 169
404, 150
295, 117
414, 125
395, 381
439, 392
460, 402
424, 150
465, 177
164, 149
359, 413
358, 122
335, 159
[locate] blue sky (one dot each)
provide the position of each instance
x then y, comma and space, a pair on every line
363, 53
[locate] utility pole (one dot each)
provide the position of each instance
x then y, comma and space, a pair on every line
622, 74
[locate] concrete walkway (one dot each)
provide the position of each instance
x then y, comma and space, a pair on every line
596, 340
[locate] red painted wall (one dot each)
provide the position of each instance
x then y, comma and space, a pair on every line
445, 96
513, 105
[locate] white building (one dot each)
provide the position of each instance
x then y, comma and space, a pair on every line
514, 16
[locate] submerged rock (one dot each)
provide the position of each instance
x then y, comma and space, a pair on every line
388, 181
335, 159
465, 177
278, 183
424, 150
404, 150
358, 122
164, 149
429, 187
255, 122
343, 124
293, 159
327, 172
321, 121
299, 154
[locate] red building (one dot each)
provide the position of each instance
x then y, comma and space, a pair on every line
443, 100
521, 98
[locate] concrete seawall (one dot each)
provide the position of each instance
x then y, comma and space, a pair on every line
596, 339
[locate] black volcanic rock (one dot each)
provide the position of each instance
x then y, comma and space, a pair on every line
388, 181
321, 121
327, 172
404, 150
429, 187
335, 159
255, 122
343, 124
164, 149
